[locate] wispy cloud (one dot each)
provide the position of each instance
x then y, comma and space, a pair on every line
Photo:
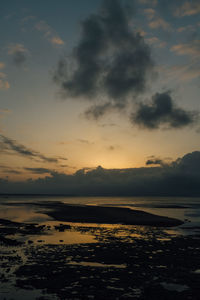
12, 171
180, 72
39, 170
4, 112
19, 53
2, 65
27, 19
97, 111
49, 33
192, 49
9, 170
55, 40
8, 144
86, 142
185, 72
156, 41
158, 22
186, 28
155, 20
2, 75
61, 158
150, 13
4, 84
108, 125
148, 2
188, 8
152, 40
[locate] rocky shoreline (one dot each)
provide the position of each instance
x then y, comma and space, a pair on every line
124, 262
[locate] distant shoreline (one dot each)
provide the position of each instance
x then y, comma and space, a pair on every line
96, 196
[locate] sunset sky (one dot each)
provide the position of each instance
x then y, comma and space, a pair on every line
85, 83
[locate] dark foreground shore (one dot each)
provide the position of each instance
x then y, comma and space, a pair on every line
122, 262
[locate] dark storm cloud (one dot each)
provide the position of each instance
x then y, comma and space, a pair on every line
110, 66
190, 163
8, 144
180, 178
110, 59
162, 111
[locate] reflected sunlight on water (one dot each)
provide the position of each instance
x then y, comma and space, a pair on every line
95, 264
67, 237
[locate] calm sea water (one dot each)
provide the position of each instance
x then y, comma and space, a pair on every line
183, 208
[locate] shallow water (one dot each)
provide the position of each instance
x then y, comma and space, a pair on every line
183, 208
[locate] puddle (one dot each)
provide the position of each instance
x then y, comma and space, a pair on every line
66, 237
197, 271
174, 287
95, 264
163, 239
127, 233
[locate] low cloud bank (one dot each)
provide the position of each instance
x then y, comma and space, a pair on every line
180, 178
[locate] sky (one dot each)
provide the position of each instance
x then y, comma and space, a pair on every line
89, 83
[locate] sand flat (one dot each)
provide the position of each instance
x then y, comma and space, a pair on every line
108, 215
